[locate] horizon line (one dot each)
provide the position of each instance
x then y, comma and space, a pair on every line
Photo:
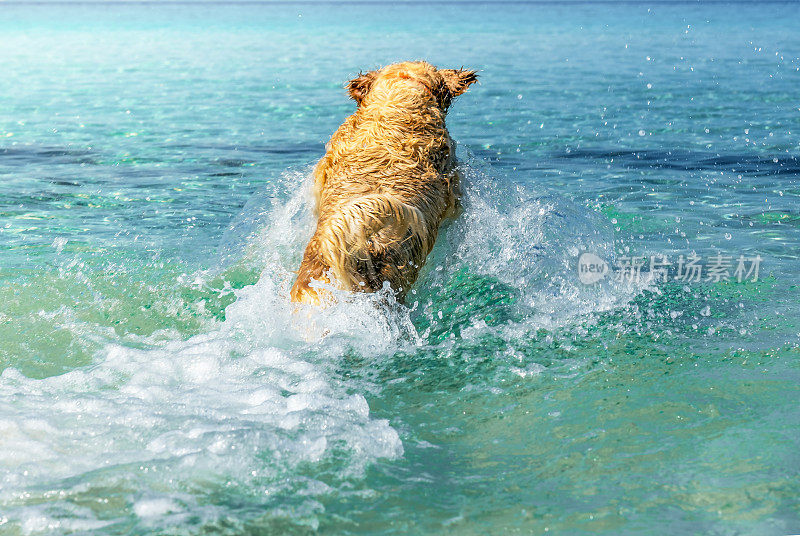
383, 2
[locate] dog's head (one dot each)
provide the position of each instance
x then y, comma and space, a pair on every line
415, 77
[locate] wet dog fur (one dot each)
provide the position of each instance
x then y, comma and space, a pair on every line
387, 181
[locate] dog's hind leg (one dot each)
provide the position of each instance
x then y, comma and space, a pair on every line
311, 269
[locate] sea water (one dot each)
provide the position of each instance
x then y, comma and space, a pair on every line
154, 204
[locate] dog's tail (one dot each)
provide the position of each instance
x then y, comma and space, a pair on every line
375, 238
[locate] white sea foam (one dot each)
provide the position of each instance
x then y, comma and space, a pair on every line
162, 427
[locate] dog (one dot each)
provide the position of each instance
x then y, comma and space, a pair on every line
385, 185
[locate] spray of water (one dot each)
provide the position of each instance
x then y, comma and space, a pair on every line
158, 434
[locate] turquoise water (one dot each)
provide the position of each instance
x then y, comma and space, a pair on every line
154, 163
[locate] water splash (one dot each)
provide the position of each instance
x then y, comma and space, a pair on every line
235, 419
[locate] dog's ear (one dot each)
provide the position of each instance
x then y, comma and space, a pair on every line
458, 80
359, 86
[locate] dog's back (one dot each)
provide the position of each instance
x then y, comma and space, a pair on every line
385, 184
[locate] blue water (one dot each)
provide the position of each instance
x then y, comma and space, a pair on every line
154, 379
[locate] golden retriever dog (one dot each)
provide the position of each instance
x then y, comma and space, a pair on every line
385, 184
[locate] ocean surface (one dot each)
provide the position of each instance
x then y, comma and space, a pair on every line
154, 203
